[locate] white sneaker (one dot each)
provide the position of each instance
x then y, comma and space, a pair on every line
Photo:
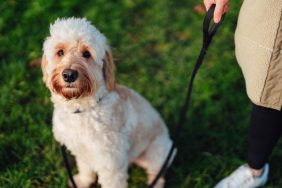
243, 178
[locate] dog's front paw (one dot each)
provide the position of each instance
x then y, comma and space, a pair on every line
81, 181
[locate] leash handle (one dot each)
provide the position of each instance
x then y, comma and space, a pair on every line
208, 33
209, 29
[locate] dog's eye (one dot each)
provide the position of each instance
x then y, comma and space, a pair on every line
86, 54
60, 53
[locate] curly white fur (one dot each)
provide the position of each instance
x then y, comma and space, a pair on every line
114, 126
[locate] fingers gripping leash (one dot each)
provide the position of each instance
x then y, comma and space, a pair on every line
209, 31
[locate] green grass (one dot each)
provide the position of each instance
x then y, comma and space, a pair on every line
155, 44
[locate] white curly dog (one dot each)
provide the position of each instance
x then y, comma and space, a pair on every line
105, 126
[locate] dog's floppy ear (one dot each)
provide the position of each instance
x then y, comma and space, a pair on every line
109, 71
43, 68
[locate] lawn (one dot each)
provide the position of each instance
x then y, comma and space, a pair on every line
155, 45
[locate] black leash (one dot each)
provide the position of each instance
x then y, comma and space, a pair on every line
67, 165
208, 33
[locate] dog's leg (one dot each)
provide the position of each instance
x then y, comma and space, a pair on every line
114, 173
85, 176
154, 157
113, 179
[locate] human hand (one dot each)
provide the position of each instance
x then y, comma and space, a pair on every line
220, 8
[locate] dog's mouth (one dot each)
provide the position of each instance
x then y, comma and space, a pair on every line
71, 92
70, 86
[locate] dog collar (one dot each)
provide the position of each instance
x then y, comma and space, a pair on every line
78, 111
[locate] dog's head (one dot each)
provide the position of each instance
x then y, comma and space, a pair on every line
77, 60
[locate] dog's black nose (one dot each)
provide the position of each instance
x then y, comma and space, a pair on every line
69, 75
